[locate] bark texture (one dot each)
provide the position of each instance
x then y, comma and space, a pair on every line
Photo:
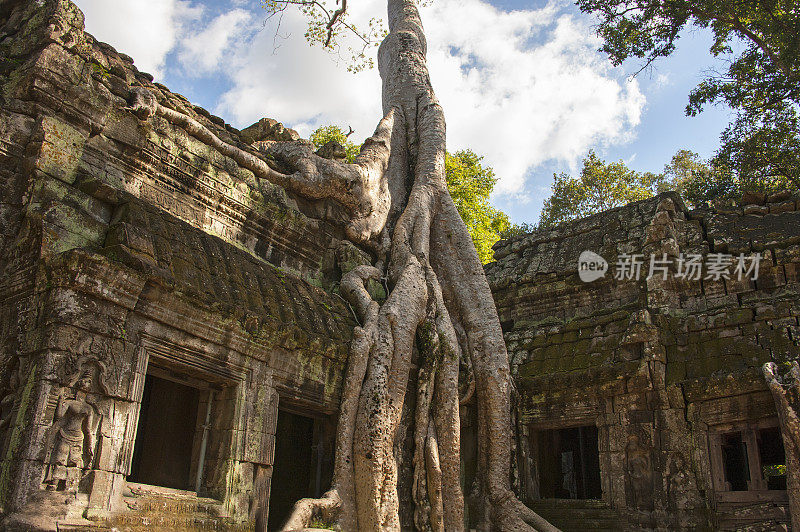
787, 401
437, 286
439, 311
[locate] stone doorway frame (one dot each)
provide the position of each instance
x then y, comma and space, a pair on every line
231, 384
757, 490
324, 434
530, 467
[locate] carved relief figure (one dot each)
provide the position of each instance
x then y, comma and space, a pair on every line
72, 436
680, 481
639, 473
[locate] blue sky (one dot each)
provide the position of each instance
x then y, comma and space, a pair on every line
521, 83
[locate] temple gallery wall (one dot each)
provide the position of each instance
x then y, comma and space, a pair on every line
173, 343
642, 403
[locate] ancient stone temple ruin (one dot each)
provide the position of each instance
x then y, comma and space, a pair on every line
642, 404
164, 314
173, 345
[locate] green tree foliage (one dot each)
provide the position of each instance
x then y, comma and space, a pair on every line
325, 134
711, 183
698, 181
599, 186
602, 186
470, 185
764, 150
761, 84
520, 229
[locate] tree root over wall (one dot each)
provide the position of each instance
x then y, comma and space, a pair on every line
439, 306
787, 402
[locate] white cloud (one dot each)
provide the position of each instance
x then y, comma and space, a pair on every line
203, 52
662, 80
525, 87
146, 31
280, 76
521, 88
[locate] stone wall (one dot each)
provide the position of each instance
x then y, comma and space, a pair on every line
662, 368
130, 248
127, 245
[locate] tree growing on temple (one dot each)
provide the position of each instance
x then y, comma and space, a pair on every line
438, 316
439, 312
469, 183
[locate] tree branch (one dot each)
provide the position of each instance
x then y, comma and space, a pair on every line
736, 22
336, 14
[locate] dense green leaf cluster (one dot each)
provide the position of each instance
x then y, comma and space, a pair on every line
325, 134
761, 84
698, 181
470, 185
599, 186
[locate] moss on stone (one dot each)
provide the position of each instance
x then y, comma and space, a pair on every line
15, 438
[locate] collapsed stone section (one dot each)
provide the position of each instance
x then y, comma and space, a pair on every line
667, 371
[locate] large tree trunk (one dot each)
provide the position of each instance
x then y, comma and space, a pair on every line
437, 281
401, 211
787, 400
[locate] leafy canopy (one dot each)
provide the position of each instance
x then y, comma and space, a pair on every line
470, 185
324, 134
469, 182
698, 181
711, 183
599, 186
602, 186
761, 84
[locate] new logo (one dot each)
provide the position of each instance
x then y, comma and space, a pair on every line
591, 266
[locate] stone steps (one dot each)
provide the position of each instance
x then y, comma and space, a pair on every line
133, 521
579, 516
153, 504
66, 526
753, 517
157, 508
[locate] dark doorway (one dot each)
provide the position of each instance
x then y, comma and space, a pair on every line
293, 467
773, 458
162, 454
569, 463
735, 461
